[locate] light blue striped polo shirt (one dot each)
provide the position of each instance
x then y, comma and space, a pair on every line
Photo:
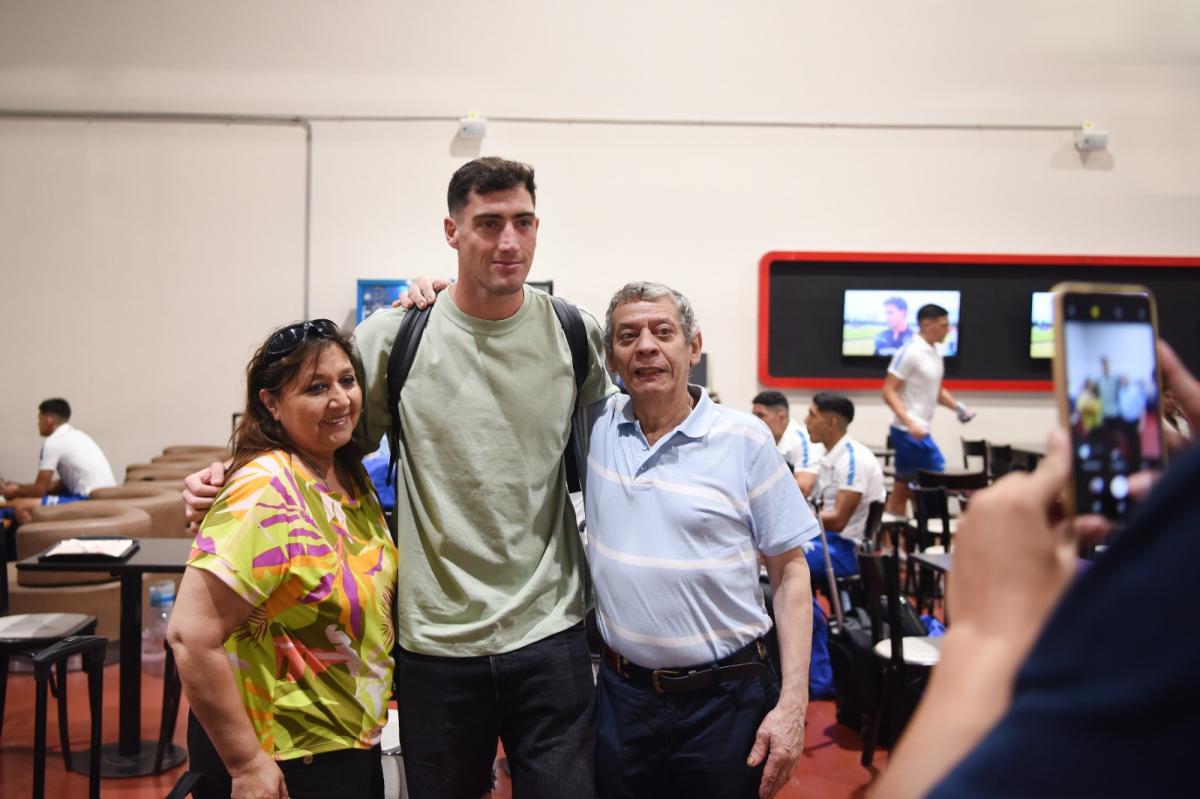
674, 531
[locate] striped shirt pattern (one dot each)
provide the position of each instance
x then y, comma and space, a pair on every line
674, 531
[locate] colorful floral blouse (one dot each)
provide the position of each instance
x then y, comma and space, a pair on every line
313, 661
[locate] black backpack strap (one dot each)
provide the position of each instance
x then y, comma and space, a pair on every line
571, 322
404, 352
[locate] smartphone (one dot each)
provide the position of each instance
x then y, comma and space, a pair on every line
1108, 388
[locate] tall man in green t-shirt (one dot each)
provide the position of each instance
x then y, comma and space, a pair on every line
492, 588
492, 583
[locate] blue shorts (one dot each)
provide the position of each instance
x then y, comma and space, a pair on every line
61, 499
842, 553
912, 454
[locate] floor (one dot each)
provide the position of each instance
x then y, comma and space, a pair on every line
829, 766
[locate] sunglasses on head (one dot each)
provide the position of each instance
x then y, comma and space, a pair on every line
287, 339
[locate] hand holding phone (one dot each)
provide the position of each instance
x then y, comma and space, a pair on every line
1108, 389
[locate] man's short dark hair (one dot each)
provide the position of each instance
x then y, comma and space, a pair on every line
931, 311
896, 301
56, 407
771, 399
831, 402
486, 176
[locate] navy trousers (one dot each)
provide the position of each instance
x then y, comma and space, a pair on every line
691, 745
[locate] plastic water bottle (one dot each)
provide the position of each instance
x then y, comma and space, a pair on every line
162, 600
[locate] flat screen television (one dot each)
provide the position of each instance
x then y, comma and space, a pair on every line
376, 294
1041, 325
877, 322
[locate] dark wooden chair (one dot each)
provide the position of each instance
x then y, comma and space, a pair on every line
975, 449
953, 482
851, 584
932, 531
901, 658
50, 639
1000, 460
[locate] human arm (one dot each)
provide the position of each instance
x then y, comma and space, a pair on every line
41, 485
960, 409
891, 395
1013, 560
805, 481
206, 613
780, 736
373, 343
836, 518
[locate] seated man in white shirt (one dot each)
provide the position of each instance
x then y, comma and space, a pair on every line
802, 454
849, 480
80, 464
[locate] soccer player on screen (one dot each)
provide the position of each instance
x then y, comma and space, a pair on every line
898, 332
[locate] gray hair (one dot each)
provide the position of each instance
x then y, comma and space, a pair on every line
646, 291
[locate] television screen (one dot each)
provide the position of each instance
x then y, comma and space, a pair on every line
376, 294
877, 322
1041, 325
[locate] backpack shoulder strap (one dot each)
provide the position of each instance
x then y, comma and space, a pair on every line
404, 352
571, 322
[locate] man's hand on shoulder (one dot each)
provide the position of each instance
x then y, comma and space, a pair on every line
421, 292
199, 490
780, 739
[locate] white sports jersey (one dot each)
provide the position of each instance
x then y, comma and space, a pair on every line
799, 450
920, 366
850, 466
78, 460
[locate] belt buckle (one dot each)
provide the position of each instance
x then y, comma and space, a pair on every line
654, 676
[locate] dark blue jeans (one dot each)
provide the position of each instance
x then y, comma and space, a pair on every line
691, 745
540, 701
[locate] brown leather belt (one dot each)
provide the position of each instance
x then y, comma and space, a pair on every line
749, 662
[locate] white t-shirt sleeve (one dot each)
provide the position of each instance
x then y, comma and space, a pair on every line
849, 475
52, 452
901, 365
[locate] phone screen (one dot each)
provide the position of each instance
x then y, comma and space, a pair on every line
1111, 374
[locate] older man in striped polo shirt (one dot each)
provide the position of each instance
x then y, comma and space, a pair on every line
683, 496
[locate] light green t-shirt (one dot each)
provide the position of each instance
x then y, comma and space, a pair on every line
491, 559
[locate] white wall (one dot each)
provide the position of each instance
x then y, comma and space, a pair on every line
692, 206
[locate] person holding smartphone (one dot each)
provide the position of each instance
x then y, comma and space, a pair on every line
1063, 688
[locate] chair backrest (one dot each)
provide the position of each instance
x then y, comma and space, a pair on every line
881, 584
197, 460
974, 449
166, 509
136, 472
191, 449
952, 481
931, 503
1024, 460
870, 539
1000, 460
